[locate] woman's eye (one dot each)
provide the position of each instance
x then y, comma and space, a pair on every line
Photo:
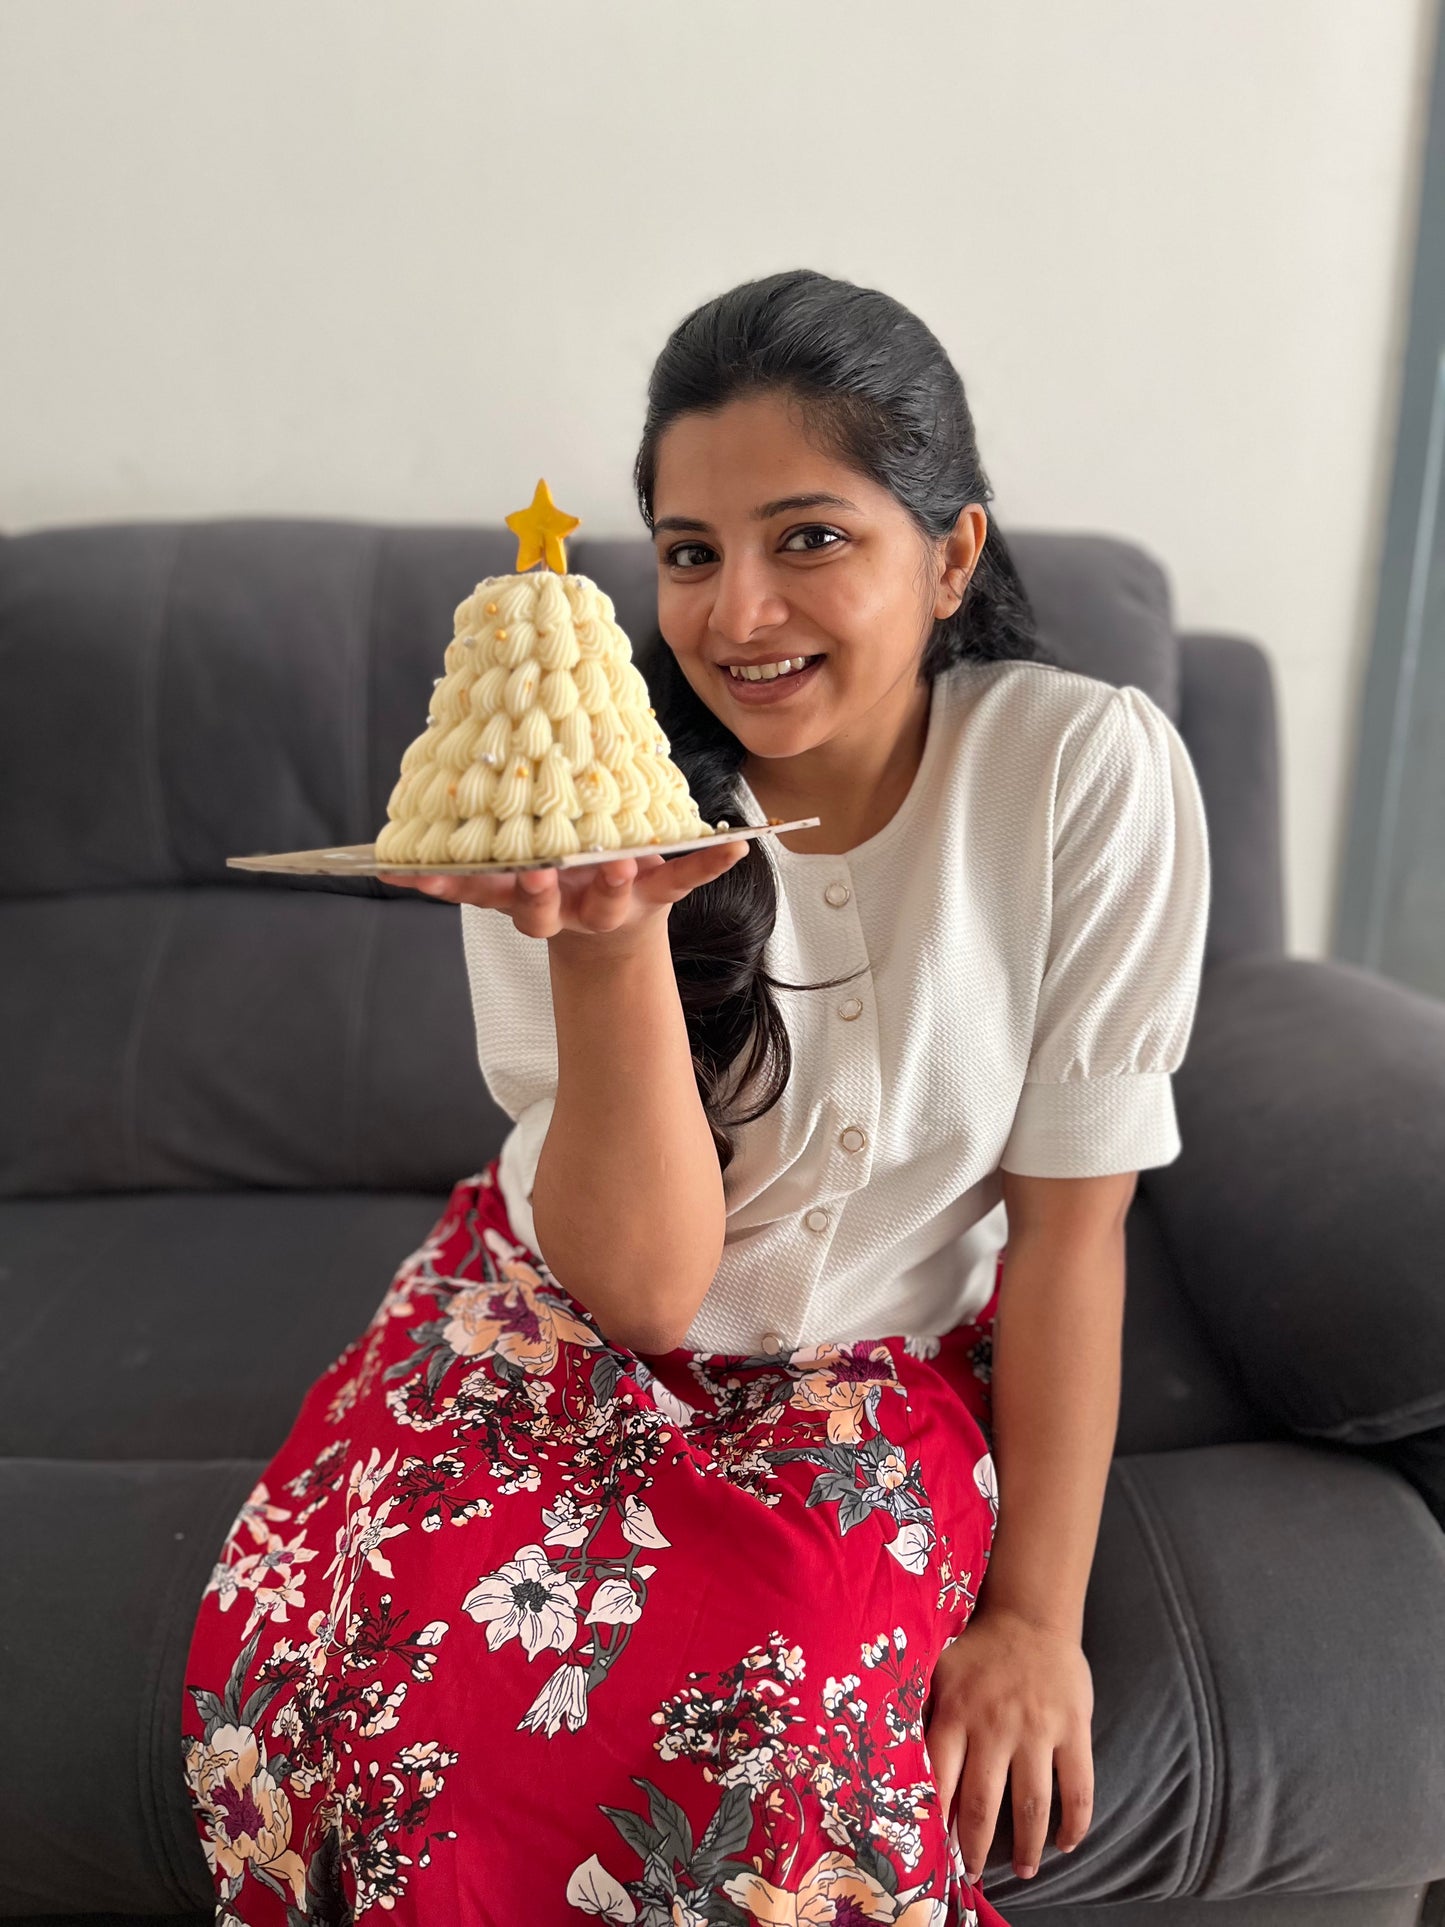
674, 553
817, 529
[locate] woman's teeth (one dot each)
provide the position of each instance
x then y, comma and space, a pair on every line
770, 671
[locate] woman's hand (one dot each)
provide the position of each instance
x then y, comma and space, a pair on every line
1011, 1699
606, 898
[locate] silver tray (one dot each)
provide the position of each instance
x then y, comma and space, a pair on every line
359, 859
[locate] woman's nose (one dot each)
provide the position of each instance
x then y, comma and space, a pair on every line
744, 602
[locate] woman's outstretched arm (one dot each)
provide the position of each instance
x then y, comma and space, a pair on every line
628, 1200
1013, 1695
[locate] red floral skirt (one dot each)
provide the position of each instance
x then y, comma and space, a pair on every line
519, 1625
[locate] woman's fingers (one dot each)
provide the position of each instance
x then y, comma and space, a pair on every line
944, 1744
980, 1794
598, 897
605, 900
1074, 1762
675, 879
536, 903
428, 886
1031, 1777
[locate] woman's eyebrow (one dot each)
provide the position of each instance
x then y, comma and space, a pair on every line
764, 513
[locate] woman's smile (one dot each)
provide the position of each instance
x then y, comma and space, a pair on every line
776, 686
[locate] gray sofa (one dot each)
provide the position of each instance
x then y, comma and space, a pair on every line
233, 1104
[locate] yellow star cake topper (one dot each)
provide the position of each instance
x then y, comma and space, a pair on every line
539, 530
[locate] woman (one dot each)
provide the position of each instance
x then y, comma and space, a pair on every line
631, 1563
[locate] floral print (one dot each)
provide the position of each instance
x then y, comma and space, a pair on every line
530, 1598
519, 1624
846, 1383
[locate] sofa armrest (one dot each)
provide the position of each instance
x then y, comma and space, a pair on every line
1306, 1213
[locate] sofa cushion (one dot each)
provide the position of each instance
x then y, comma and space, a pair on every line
1263, 1629
1103, 606
102, 1577
185, 1326
174, 1039
199, 690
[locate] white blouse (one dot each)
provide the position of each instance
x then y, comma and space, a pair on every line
1030, 925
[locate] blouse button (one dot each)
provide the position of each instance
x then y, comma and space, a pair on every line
837, 894
853, 1008
852, 1139
816, 1220
772, 1341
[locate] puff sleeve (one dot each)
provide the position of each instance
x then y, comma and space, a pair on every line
1130, 902
511, 992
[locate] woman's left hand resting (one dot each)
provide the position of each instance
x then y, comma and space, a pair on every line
1011, 1700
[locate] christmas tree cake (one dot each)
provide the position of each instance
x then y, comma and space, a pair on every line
540, 740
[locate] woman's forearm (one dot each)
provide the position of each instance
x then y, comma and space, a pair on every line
1055, 1389
628, 1202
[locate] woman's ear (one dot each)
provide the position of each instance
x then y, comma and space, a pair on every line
962, 548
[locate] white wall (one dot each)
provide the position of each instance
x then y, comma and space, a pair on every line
391, 260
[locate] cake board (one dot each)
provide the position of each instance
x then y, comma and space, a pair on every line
359, 859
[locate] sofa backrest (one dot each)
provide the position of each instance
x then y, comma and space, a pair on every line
175, 693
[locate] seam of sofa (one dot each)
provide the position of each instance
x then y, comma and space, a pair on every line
1209, 1808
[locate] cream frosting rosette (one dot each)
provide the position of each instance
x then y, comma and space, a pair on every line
540, 740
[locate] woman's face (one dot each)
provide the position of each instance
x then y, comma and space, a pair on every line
746, 572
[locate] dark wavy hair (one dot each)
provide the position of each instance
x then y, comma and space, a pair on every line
877, 391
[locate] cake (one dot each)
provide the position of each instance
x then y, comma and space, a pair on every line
540, 739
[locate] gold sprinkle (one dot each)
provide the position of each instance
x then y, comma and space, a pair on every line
501, 635
491, 608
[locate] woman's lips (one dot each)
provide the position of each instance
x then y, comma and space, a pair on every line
758, 695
